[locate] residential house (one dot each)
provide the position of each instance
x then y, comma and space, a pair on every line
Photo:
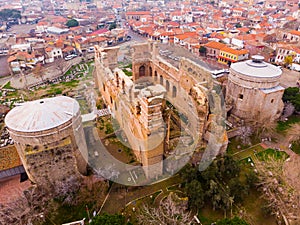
293, 36
136, 15
21, 60
179, 39
297, 55
254, 47
213, 49
282, 51
53, 53
229, 55
192, 44
21, 47
176, 16
237, 11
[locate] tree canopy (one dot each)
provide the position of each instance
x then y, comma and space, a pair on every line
238, 25
112, 26
220, 182
292, 94
108, 219
72, 23
6, 14
288, 60
202, 50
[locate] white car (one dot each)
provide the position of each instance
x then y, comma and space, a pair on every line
91, 49
68, 57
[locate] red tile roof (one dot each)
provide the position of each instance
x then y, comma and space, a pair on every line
215, 45
295, 32
138, 13
234, 51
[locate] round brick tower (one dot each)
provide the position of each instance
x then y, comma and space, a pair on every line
253, 91
49, 137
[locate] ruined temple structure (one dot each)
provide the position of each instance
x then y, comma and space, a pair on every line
137, 102
253, 92
49, 138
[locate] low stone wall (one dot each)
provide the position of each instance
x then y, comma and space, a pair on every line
51, 72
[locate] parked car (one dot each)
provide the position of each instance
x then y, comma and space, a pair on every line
91, 49
69, 57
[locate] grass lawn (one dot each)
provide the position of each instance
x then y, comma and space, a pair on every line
284, 125
255, 213
116, 200
233, 146
72, 83
8, 86
84, 108
249, 152
296, 147
69, 214
264, 155
253, 203
207, 216
54, 91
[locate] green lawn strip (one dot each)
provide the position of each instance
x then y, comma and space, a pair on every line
127, 73
141, 199
248, 152
8, 86
115, 202
54, 91
72, 83
233, 146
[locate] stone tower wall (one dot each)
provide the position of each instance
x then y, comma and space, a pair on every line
250, 98
39, 149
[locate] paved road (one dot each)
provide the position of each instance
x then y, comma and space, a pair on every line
4, 71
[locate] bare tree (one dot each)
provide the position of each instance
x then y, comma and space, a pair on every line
38, 71
67, 189
263, 128
245, 134
288, 110
60, 65
283, 200
293, 133
30, 207
168, 212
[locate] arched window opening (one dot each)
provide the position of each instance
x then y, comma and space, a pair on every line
155, 76
117, 79
174, 92
167, 85
161, 80
142, 71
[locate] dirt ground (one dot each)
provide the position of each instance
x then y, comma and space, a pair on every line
22, 29
291, 171
289, 78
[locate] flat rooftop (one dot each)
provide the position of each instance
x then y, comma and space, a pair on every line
173, 54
